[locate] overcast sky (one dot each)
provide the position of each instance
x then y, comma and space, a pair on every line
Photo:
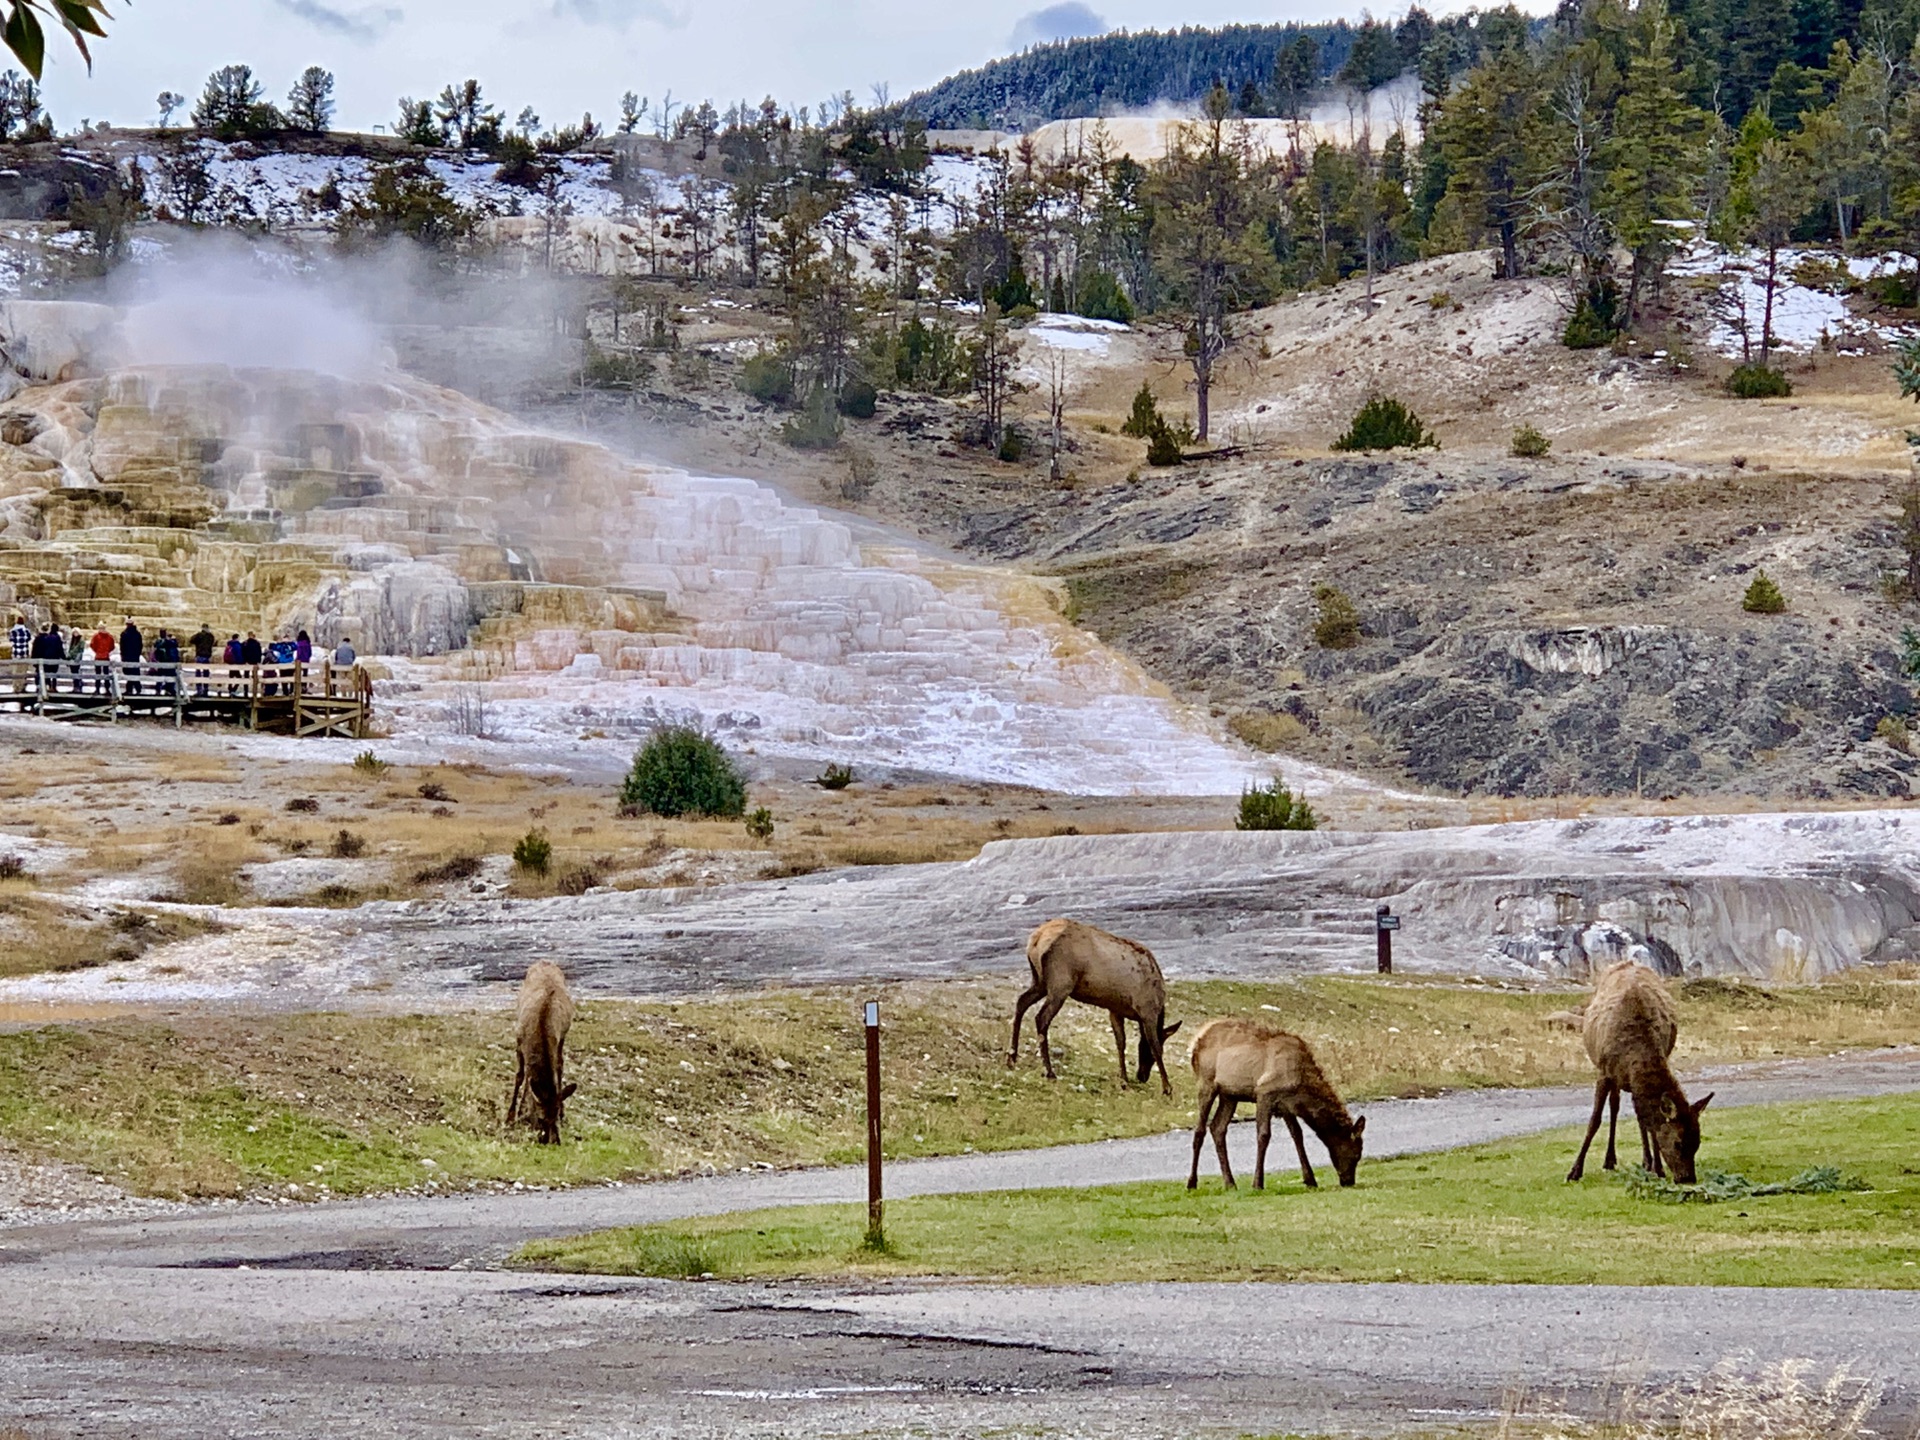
565, 56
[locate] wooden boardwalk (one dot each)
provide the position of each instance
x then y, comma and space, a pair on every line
293, 699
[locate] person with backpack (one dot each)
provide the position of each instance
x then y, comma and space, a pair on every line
166, 662
132, 647
46, 653
76, 652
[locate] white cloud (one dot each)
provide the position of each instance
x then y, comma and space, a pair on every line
619, 14
1064, 21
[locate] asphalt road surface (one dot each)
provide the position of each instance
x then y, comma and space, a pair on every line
298, 1321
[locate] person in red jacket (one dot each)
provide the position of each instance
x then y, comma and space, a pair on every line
102, 647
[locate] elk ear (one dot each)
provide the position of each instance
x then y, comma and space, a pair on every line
1701, 1104
1166, 1030
1670, 1110
1359, 1126
571, 1086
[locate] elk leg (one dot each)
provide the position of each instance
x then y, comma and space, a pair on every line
1600, 1091
1028, 998
1159, 1044
1042, 1022
1120, 1042
1613, 1124
1207, 1094
1263, 1132
1222, 1118
1300, 1149
513, 1098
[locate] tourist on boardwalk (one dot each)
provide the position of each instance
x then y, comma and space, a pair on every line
102, 647
20, 638
76, 652
47, 652
343, 655
280, 652
203, 642
132, 646
166, 660
250, 650
303, 648
232, 657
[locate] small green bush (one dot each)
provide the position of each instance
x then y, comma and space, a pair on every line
533, 852
1101, 298
1383, 423
858, 400
1440, 300
1763, 597
1528, 444
1144, 418
680, 771
1013, 447
1595, 320
1895, 731
768, 378
835, 777
1906, 370
368, 763
759, 823
347, 846
1336, 626
818, 427
1163, 445
1273, 807
1758, 382
614, 370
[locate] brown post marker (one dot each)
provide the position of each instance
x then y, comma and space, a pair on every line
1385, 922
876, 1231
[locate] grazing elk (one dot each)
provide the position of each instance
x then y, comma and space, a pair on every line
1235, 1060
542, 1018
1629, 1029
1071, 961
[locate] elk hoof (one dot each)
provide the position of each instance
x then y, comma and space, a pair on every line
1012, 1060
1573, 1175
1311, 1183
1192, 1184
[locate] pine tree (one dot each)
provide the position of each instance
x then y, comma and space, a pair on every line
1653, 158
310, 102
1484, 131
1763, 597
233, 106
1777, 194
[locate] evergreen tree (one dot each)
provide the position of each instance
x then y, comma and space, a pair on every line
1654, 156
310, 102
1484, 131
233, 106
1295, 72
1778, 194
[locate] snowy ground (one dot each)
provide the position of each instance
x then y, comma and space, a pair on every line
1810, 310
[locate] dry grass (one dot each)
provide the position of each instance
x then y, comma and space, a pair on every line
40, 935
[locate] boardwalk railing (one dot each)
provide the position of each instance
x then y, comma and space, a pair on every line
318, 698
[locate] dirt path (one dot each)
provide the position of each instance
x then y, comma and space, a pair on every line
469, 1231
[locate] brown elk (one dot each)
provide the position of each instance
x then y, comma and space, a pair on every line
1235, 1060
1071, 961
1629, 1029
542, 1018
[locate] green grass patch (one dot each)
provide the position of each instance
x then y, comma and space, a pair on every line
221, 1105
1492, 1214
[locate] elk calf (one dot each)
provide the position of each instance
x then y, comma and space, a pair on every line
1629, 1029
1235, 1060
542, 1019
1071, 961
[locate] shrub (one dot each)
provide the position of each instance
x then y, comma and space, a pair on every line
1272, 807
1439, 300
304, 804
433, 790
1101, 298
578, 879
680, 771
817, 427
858, 400
1337, 624
835, 777
1763, 597
1595, 320
1906, 368
1893, 729
533, 852
347, 846
1144, 418
1758, 382
614, 369
759, 823
1383, 423
12, 867
368, 763
1529, 444
230, 818
459, 867
1013, 447
1163, 445
768, 378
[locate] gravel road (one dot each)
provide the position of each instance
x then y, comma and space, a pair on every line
296, 1321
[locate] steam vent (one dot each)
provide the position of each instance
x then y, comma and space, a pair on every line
589, 594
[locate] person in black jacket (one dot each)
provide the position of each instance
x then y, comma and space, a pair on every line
166, 662
47, 647
204, 641
132, 645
